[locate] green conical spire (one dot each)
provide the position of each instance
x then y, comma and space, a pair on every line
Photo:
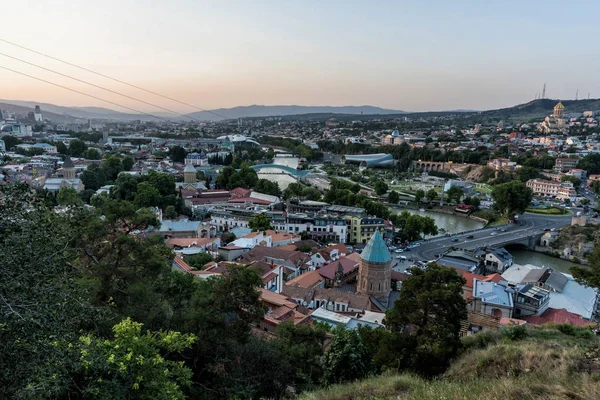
376, 251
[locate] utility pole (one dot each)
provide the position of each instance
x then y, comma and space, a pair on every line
577, 95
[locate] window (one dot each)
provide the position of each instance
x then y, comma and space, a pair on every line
371, 286
379, 287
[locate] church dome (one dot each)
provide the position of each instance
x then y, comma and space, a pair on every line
189, 168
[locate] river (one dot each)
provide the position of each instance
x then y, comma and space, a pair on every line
282, 179
450, 223
522, 257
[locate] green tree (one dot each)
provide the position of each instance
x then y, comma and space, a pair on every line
454, 194
419, 195
177, 154
431, 194
429, 311
381, 188
198, 260
595, 186
589, 275
570, 178
127, 163
268, 187
61, 148
10, 142
42, 301
393, 197
511, 197
526, 173
147, 195
131, 365
164, 183
170, 212
591, 163
125, 187
260, 222
92, 154
346, 359
68, 197
77, 148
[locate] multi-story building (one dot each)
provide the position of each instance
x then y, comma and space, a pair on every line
361, 229
565, 164
318, 227
562, 190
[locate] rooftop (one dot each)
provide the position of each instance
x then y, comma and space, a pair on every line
376, 251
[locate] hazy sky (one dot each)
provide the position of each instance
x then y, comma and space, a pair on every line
410, 55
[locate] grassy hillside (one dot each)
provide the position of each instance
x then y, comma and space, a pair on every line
553, 362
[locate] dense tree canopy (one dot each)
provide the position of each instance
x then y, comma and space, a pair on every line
511, 197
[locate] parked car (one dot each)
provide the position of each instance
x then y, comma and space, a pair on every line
399, 251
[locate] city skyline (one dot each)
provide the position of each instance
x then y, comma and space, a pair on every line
392, 55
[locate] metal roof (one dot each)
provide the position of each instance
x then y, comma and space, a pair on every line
376, 251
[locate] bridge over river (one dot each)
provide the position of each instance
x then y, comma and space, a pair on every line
527, 233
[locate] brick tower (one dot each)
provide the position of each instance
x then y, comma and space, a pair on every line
375, 270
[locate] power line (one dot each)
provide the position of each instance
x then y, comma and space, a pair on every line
97, 86
85, 94
113, 79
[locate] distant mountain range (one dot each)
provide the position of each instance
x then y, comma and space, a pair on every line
60, 114
23, 107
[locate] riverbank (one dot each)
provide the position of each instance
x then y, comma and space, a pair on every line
449, 211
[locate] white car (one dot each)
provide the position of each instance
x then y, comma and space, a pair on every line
493, 233
399, 251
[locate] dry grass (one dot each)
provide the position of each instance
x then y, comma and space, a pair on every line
547, 364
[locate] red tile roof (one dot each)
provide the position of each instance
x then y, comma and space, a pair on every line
307, 280
182, 264
560, 316
469, 276
348, 265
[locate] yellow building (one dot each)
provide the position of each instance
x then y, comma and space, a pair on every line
555, 122
361, 229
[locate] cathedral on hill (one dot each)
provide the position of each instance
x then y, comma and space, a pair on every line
555, 122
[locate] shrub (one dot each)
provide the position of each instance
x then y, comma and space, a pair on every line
515, 332
567, 329
481, 340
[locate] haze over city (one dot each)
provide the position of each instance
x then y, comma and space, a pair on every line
433, 55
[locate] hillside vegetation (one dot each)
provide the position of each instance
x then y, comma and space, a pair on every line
551, 362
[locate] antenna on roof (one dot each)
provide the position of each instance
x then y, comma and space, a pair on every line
577, 95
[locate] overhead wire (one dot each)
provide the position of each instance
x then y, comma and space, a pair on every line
97, 86
83, 93
112, 78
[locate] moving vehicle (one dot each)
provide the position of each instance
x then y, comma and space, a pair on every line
470, 237
493, 233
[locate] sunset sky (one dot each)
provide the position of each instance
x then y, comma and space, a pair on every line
409, 55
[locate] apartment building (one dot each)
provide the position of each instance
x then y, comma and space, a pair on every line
560, 190
361, 229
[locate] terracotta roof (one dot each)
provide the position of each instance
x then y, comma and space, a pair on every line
182, 264
399, 276
328, 271
240, 192
340, 247
262, 253
560, 316
354, 257
276, 299
469, 276
307, 280
280, 236
354, 300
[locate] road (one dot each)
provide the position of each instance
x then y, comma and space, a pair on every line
528, 225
